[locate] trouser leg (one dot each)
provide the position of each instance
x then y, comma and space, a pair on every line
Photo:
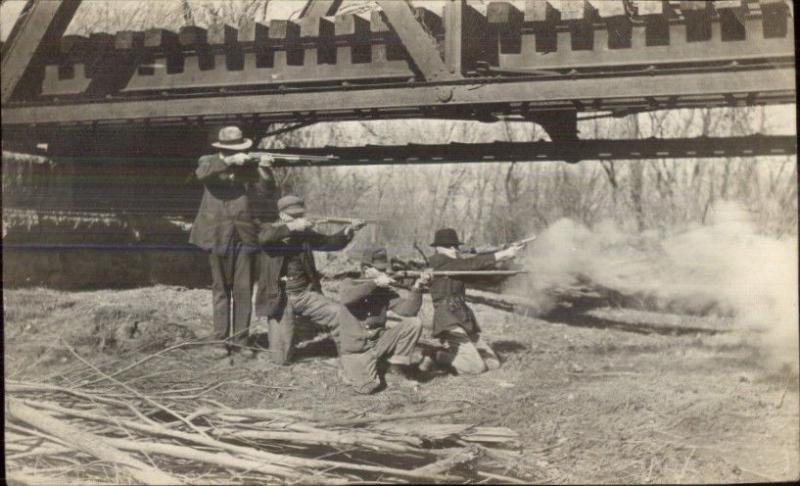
461, 354
281, 335
321, 310
220, 295
360, 370
398, 342
242, 293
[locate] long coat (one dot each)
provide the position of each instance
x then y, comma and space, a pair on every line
448, 293
225, 205
277, 243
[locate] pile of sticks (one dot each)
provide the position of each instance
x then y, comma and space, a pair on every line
56, 435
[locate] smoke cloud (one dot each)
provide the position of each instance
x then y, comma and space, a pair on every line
721, 268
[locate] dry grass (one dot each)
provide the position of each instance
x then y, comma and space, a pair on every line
591, 404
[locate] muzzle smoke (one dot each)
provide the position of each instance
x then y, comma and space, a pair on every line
722, 268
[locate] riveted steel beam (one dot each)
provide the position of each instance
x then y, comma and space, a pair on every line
520, 96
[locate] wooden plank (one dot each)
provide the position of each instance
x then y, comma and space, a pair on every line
289, 33
192, 36
317, 35
251, 31
40, 24
503, 13
541, 11
573, 10
222, 34
608, 8
283, 29
160, 39
128, 39
694, 6
650, 7
355, 30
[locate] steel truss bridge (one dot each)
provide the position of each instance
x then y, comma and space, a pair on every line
159, 93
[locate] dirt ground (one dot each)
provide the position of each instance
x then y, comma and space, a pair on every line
614, 396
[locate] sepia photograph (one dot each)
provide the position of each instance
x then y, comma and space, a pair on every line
399, 241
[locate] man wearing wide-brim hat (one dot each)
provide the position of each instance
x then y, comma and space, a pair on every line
454, 322
389, 327
225, 227
288, 281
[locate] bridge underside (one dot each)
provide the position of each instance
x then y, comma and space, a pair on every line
160, 92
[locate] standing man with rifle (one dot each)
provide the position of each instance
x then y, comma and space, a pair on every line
454, 322
389, 326
288, 282
225, 227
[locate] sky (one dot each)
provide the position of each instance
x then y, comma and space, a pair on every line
280, 9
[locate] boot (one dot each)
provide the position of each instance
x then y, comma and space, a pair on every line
426, 365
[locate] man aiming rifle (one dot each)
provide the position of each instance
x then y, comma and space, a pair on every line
454, 322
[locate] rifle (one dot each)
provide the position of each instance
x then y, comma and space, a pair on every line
335, 220
450, 273
494, 249
522, 242
266, 159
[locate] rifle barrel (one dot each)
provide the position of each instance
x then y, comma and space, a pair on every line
293, 157
468, 273
336, 220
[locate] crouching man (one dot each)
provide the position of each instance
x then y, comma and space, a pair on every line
389, 327
454, 322
288, 282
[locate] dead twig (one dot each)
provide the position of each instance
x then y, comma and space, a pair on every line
138, 394
88, 443
388, 418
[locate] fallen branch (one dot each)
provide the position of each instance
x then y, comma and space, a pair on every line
88, 443
461, 456
504, 479
149, 357
281, 459
135, 392
388, 418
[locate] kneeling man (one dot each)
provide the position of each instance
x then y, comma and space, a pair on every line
288, 281
389, 326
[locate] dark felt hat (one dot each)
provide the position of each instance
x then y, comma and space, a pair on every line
376, 257
445, 237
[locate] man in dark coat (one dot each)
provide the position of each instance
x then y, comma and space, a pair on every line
389, 326
454, 322
288, 282
225, 227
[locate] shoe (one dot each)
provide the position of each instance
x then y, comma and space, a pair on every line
426, 365
492, 363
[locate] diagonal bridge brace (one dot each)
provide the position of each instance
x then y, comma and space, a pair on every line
421, 47
41, 23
